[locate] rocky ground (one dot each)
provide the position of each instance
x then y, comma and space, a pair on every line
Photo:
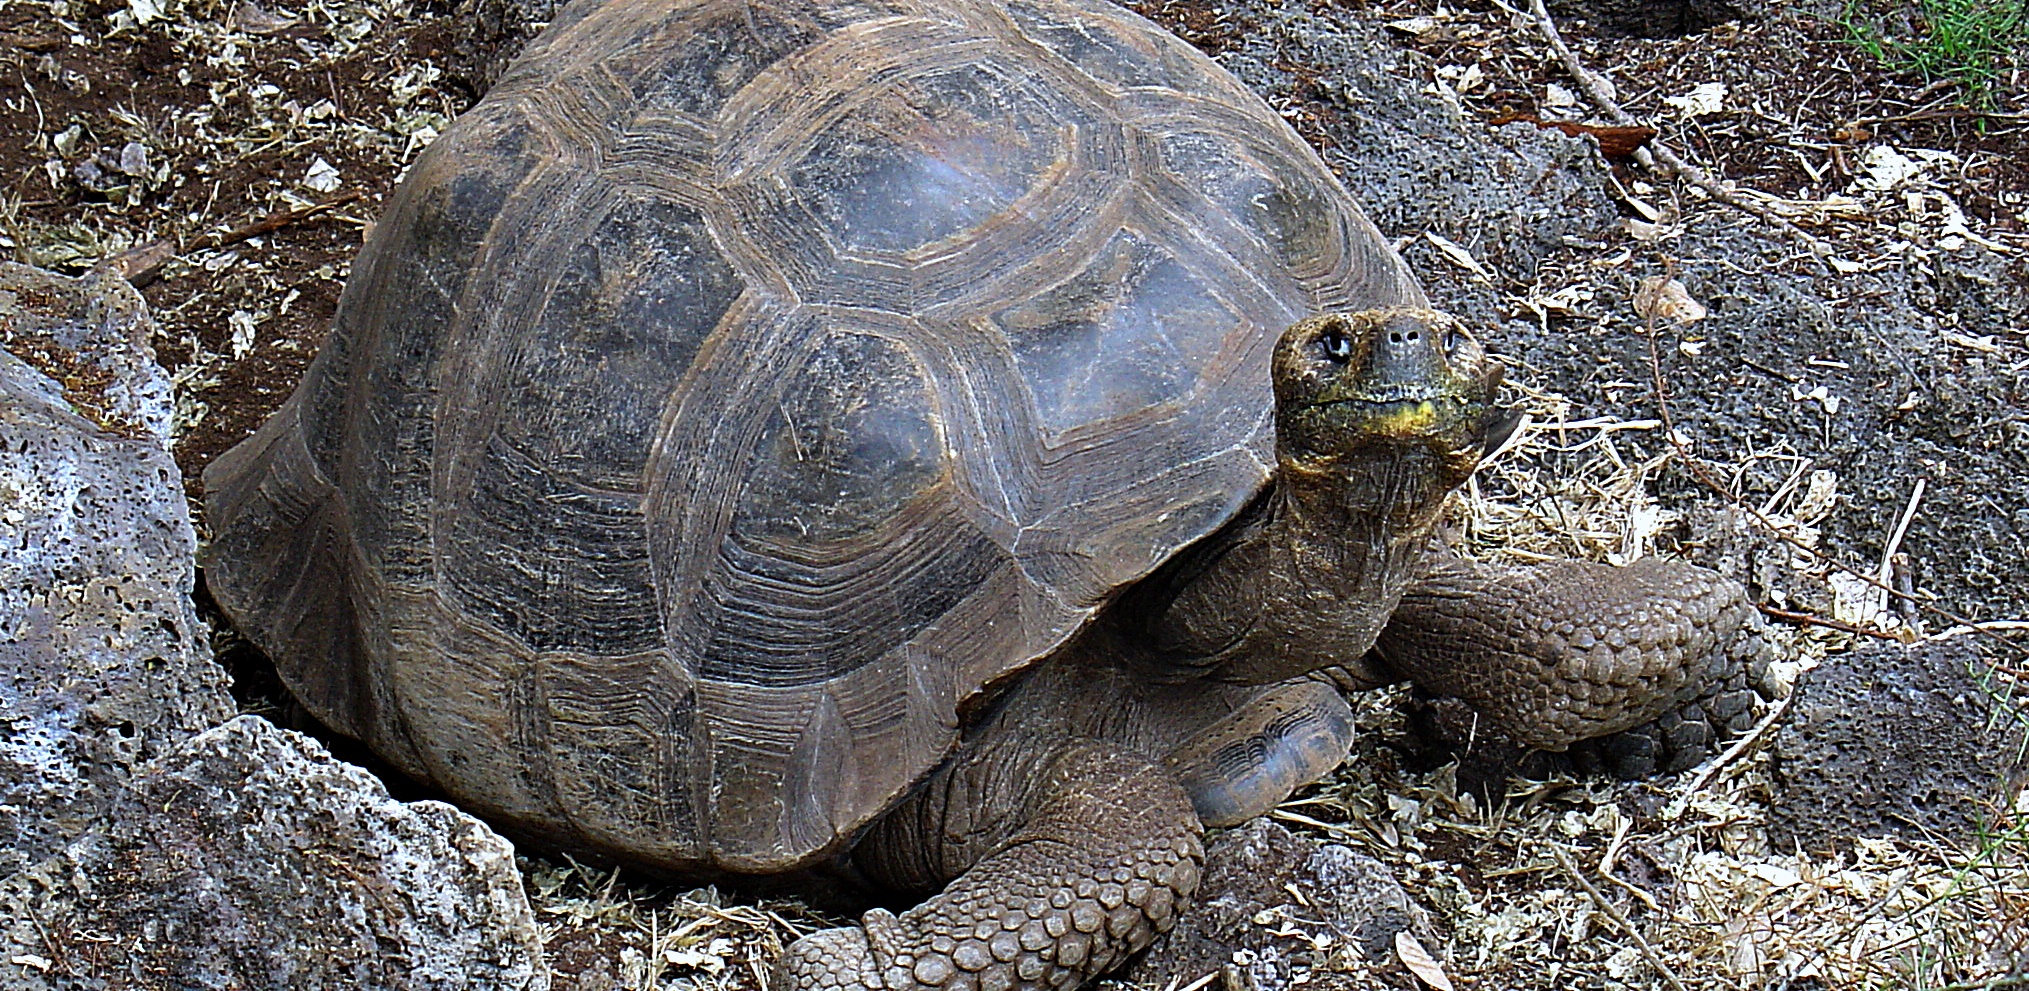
1852, 405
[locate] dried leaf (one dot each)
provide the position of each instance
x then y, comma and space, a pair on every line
1817, 394
134, 159
1781, 877
1666, 299
1420, 962
1819, 492
1887, 168
254, 19
1614, 142
1457, 255
243, 327
67, 140
1857, 602
322, 177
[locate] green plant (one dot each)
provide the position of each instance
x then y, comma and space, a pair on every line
1970, 42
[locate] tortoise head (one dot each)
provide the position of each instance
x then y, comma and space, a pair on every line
1405, 387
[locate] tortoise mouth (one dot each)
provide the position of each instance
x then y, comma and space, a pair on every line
1433, 415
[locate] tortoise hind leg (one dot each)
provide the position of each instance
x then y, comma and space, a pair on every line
1102, 851
1576, 653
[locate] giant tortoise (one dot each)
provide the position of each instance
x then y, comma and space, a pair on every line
861, 440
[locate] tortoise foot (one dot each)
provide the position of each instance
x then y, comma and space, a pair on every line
1108, 854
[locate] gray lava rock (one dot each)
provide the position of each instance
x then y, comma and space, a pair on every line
1283, 910
251, 859
103, 661
93, 333
1903, 402
145, 840
1892, 741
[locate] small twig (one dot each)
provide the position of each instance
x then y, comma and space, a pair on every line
1606, 908
58, 959
274, 222
1806, 619
1886, 576
1659, 152
1994, 628
1930, 89
1942, 113
1904, 576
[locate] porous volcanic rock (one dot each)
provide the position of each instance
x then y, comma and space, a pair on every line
104, 664
249, 858
1892, 741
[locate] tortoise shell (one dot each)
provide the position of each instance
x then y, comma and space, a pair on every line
741, 388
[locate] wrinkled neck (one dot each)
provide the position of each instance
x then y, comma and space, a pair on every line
1304, 579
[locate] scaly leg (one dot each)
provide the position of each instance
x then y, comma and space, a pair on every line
1102, 850
1552, 655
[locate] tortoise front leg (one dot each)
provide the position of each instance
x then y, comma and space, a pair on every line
1559, 653
1100, 850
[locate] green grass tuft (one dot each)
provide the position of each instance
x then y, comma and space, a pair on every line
1975, 43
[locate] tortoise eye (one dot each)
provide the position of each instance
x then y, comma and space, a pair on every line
1337, 346
1453, 341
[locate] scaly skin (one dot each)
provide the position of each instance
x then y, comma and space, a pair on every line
1108, 855
1569, 651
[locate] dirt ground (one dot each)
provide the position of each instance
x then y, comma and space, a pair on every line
230, 158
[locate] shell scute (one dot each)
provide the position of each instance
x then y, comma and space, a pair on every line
843, 542
1127, 336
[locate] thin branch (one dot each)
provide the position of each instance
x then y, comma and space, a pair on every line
1606, 908
1886, 575
274, 222
1806, 619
